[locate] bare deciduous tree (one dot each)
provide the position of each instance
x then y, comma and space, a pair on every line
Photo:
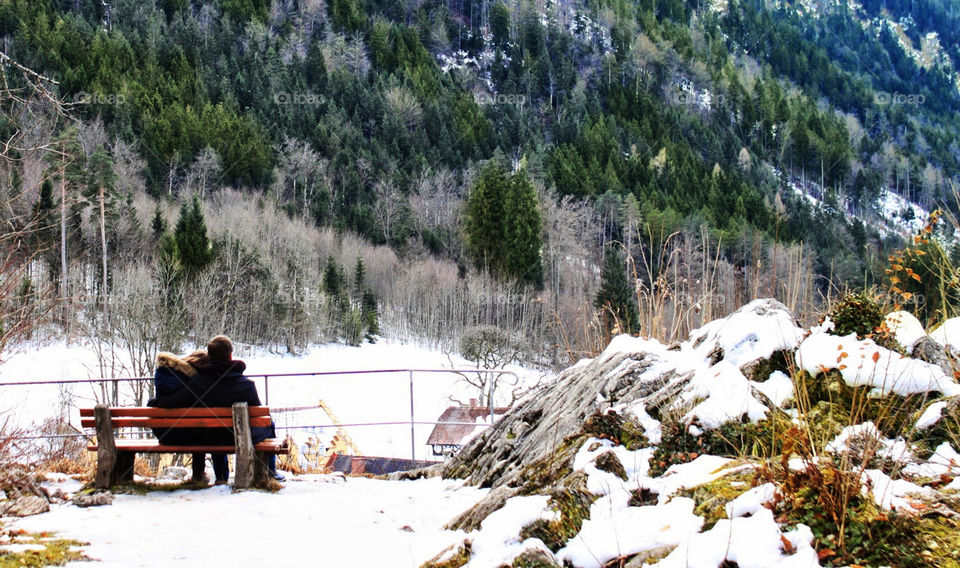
302, 173
147, 318
205, 172
388, 207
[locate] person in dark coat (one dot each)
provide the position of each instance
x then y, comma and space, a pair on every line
174, 374
219, 382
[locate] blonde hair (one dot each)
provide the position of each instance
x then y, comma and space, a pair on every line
197, 358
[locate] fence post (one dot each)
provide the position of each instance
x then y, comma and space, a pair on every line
413, 446
493, 390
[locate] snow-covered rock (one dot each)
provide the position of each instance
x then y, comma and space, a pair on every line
566, 439
864, 363
905, 327
948, 334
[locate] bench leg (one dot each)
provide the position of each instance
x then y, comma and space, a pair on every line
123, 468
106, 465
261, 469
106, 450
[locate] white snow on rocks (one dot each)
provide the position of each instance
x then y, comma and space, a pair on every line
948, 334
727, 396
751, 542
864, 363
497, 542
778, 388
890, 494
754, 332
931, 415
906, 328
633, 529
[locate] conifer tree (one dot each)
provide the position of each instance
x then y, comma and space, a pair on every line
158, 224
359, 275
485, 218
193, 245
332, 279
504, 225
615, 297
370, 315
523, 231
46, 233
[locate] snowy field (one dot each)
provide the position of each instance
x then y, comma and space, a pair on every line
354, 399
316, 520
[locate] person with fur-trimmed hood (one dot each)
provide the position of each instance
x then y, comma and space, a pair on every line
219, 382
174, 373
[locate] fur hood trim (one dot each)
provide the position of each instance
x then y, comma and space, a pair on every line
174, 362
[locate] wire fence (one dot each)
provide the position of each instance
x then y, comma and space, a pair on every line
411, 376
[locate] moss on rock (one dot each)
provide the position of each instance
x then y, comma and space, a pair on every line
614, 427
534, 558
55, 551
946, 429
761, 370
711, 498
450, 558
609, 462
828, 396
734, 439
572, 502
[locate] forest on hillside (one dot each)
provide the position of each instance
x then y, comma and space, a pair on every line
294, 171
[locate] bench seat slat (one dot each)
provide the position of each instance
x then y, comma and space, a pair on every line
199, 412
272, 445
224, 422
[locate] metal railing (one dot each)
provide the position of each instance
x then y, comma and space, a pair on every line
410, 375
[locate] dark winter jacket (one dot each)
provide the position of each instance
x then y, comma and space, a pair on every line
172, 375
216, 384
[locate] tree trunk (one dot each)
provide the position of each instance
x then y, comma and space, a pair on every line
63, 239
103, 243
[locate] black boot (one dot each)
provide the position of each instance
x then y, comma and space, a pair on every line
198, 469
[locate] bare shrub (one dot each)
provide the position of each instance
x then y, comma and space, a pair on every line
491, 347
11, 449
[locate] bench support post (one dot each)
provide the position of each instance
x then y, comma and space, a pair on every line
112, 466
246, 456
106, 450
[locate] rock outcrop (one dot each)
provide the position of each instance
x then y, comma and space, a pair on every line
634, 375
646, 453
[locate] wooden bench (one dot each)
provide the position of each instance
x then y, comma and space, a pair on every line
115, 457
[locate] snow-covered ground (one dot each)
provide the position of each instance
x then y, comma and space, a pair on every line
315, 520
353, 398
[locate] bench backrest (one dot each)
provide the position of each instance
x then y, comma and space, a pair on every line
149, 417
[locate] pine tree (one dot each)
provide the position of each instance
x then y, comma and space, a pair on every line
332, 279
158, 224
503, 225
500, 25
615, 297
485, 219
359, 275
46, 234
193, 246
523, 231
371, 315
